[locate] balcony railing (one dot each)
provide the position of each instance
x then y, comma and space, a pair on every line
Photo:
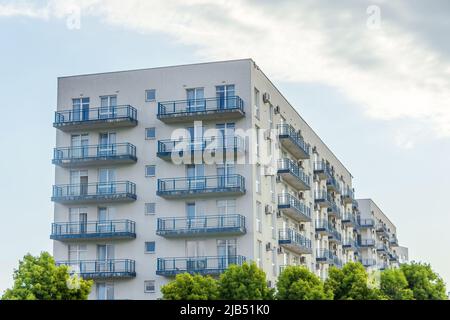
335, 235
381, 228
333, 185
94, 154
393, 256
364, 243
324, 256
322, 170
348, 195
350, 244
293, 174
233, 224
293, 207
382, 266
102, 269
323, 198
187, 149
334, 210
108, 229
201, 109
366, 223
121, 191
323, 226
393, 241
103, 117
349, 219
185, 187
293, 141
208, 265
294, 241
381, 247
368, 262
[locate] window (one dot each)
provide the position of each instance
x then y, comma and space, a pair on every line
271, 117
150, 247
150, 208
77, 252
80, 109
149, 286
105, 291
274, 226
274, 262
258, 179
257, 131
150, 95
225, 96
150, 133
272, 187
150, 171
258, 216
259, 254
195, 99
256, 98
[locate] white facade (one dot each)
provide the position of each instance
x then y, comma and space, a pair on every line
130, 217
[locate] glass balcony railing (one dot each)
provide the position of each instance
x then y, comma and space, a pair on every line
324, 256
233, 184
349, 219
368, 262
294, 241
333, 185
201, 109
94, 192
293, 174
208, 146
366, 223
323, 226
94, 154
102, 269
323, 198
382, 247
334, 210
348, 195
103, 117
350, 244
108, 229
293, 141
232, 224
367, 243
293, 207
208, 265
323, 170
393, 241
335, 235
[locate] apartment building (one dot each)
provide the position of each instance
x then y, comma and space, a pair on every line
378, 240
190, 169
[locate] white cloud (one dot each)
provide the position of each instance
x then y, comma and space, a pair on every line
389, 72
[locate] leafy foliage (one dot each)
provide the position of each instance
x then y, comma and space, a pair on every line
191, 287
424, 283
393, 285
298, 283
38, 278
246, 282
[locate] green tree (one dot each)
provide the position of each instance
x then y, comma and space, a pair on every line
350, 283
424, 282
191, 287
394, 286
38, 278
246, 282
298, 283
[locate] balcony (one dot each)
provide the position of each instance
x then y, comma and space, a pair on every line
195, 187
223, 108
322, 170
350, 244
393, 256
382, 230
382, 266
323, 199
348, 196
334, 211
333, 185
393, 241
323, 227
293, 142
294, 241
213, 225
93, 230
355, 204
368, 262
229, 148
367, 243
212, 265
334, 235
381, 247
293, 174
119, 191
293, 208
102, 269
96, 118
326, 256
349, 219
366, 223
117, 153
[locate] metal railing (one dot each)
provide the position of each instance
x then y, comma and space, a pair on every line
100, 151
334, 209
95, 114
101, 268
286, 164
368, 262
367, 242
193, 106
200, 184
94, 189
87, 228
287, 130
200, 265
288, 200
202, 144
322, 196
207, 224
290, 235
366, 223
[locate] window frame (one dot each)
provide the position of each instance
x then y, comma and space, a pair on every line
146, 95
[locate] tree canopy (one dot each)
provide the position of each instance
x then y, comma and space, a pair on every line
190, 287
38, 278
424, 283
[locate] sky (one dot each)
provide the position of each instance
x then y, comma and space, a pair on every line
372, 78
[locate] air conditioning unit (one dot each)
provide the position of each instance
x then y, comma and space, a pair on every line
316, 236
278, 179
269, 246
278, 214
280, 250
302, 260
269, 284
300, 163
301, 227
267, 135
301, 195
276, 110
269, 209
266, 97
